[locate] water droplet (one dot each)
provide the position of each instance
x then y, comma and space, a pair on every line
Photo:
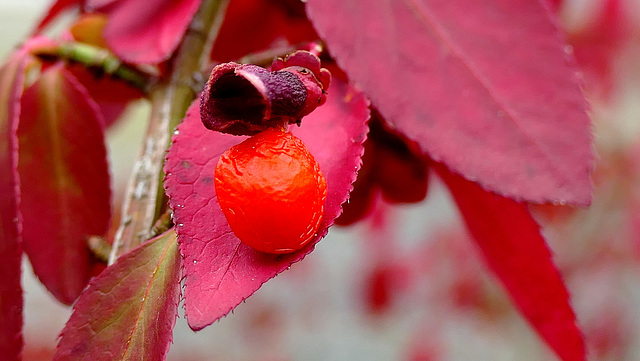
180, 224
568, 49
195, 261
176, 132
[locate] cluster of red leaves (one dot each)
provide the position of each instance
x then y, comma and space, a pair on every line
48, 189
498, 114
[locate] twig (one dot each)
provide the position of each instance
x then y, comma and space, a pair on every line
162, 224
99, 247
97, 58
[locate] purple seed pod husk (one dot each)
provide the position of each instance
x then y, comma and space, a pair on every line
247, 99
307, 67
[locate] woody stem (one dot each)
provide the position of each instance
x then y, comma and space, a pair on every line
144, 197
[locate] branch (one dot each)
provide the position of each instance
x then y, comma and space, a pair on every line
144, 198
96, 58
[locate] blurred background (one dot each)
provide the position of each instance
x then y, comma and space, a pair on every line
406, 282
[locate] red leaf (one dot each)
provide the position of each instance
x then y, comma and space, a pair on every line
111, 95
514, 249
64, 180
142, 31
484, 86
555, 4
390, 167
254, 25
57, 7
99, 5
220, 271
129, 310
11, 86
597, 43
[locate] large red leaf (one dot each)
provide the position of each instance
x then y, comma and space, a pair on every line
142, 31
64, 180
219, 270
484, 86
514, 249
129, 310
11, 86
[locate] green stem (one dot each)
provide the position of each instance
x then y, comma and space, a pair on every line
144, 198
95, 57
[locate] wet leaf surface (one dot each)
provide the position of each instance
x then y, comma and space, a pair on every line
219, 270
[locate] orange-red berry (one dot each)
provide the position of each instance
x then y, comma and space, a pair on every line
271, 191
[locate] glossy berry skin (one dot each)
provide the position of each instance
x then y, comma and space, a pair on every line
271, 191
